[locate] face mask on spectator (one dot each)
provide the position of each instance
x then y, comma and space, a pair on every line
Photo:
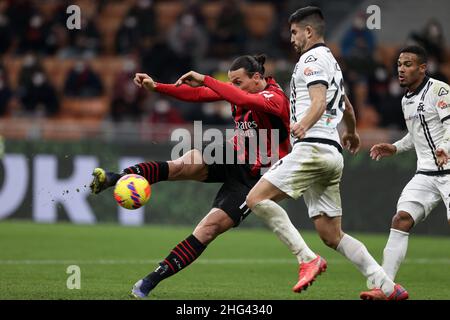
144, 4
162, 106
38, 79
79, 67
129, 66
29, 60
394, 87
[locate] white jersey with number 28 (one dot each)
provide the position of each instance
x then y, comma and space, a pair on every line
318, 65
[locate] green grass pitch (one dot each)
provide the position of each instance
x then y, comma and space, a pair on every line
240, 264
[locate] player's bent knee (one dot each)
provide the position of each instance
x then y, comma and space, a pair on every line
402, 221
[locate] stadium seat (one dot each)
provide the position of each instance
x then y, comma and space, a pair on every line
258, 18
69, 128
91, 108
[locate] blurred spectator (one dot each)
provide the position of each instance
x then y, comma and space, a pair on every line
38, 96
216, 113
31, 65
5, 93
34, 38
86, 42
229, 36
161, 62
163, 112
83, 82
432, 39
138, 26
189, 42
358, 46
19, 13
5, 29
389, 104
127, 97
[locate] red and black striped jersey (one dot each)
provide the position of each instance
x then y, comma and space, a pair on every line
252, 112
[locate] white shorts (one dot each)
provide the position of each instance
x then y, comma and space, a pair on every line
422, 194
312, 169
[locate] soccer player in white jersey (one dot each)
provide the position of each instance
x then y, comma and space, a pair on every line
426, 107
314, 166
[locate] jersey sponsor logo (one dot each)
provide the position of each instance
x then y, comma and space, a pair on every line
421, 107
310, 58
414, 116
442, 92
443, 105
245, 125
310, 72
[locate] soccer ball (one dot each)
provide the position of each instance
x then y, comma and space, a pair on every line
132, 191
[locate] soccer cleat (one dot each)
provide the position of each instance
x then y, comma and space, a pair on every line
103, 180
141, 289
308, 273
377, 294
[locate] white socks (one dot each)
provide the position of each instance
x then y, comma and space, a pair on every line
395, 251
357, 253
278, 221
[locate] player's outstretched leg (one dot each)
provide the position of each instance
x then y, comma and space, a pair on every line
153, 171
179, 258
186, 252
189, 167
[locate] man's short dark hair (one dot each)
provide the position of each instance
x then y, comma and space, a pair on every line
311, 16
420, 52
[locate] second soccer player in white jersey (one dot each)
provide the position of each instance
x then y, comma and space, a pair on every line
314, 166
426, 107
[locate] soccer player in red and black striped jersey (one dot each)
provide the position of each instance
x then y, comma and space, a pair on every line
257, 102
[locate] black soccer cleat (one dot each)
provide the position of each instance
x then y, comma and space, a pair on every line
103, 180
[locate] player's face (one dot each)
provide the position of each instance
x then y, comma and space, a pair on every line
298, 37
410, 71
240, 79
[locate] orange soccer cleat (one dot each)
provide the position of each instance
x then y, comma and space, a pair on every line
377, 294
308, 273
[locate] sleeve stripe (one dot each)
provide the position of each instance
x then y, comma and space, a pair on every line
446, 118
316, 82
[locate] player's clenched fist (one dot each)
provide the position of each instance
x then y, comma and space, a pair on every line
144, 80
382, 150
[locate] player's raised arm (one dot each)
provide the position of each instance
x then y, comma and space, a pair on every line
260, 101
350, 138
317, 94
183, 92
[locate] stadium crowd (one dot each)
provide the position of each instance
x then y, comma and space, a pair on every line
49, 71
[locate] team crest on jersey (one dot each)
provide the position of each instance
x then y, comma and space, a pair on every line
442, 92
310, 58
420, 107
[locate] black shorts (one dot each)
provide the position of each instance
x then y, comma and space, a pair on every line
237, 183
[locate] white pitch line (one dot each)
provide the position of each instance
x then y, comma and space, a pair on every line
424, 261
